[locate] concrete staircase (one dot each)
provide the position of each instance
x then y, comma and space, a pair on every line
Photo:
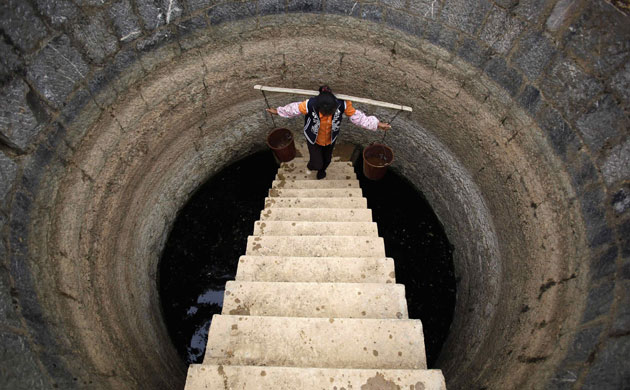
315, 304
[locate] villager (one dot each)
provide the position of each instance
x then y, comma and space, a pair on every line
322, 122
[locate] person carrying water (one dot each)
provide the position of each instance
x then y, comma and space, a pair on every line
322, 121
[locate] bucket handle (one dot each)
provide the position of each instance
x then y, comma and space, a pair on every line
267, 101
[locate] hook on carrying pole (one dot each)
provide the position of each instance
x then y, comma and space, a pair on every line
270, 114
390, 123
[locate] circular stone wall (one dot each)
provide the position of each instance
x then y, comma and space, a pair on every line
115, 112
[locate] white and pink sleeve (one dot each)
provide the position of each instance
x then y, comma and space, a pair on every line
362, 120
290, 110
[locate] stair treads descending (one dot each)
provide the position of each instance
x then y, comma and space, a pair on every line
315, 342
316, 193
315, 246
316, 269
312, 184
316, 214
326, 203
328, 300
292, 378
310, 228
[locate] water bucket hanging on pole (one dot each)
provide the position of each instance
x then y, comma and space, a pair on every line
281, 142
376, 159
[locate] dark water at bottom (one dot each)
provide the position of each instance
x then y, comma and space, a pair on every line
210, 233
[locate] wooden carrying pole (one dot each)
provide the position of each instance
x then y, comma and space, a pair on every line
354, 99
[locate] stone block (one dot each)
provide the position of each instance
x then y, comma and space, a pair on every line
20, 369
58, 12
599, 300
23, 115
465, 15
397, 4
405, 22
584, 343
531, 10
529, 99
560, 13
373, 12
8, 314
191, 32
593, 208
230, 12
8, 173
306, 6
56, 70
473, 52
95, 38
429, 9
564, 378
498, 70
19, 22
582, 171
604, 265
533, 53
558, 132
620, 83
621, 200
196, 5
274, 7
342, 7
9, 57
604, 46
611, 368
126, 25
616, 164
602, 123
90, 3
624, 234
507, 4
34, 167
150, 13
501, 30
621, 321
569, 86
442, 36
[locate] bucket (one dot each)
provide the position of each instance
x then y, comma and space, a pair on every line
376, 159
281, 142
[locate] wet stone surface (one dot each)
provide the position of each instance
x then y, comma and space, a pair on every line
211, 232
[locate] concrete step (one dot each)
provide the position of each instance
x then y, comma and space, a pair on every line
302, 169
316, 214
315, 246
308, 184
316, 193
316, 269
327, 300
329, 203
300, 163
310, 228
312, 175
315, 342
291, 378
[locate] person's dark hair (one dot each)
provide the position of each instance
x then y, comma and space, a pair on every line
326, 103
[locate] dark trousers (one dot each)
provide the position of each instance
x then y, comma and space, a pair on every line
320, 156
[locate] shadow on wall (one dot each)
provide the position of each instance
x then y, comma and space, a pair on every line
113, 112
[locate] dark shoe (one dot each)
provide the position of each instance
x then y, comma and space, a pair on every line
321, 174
